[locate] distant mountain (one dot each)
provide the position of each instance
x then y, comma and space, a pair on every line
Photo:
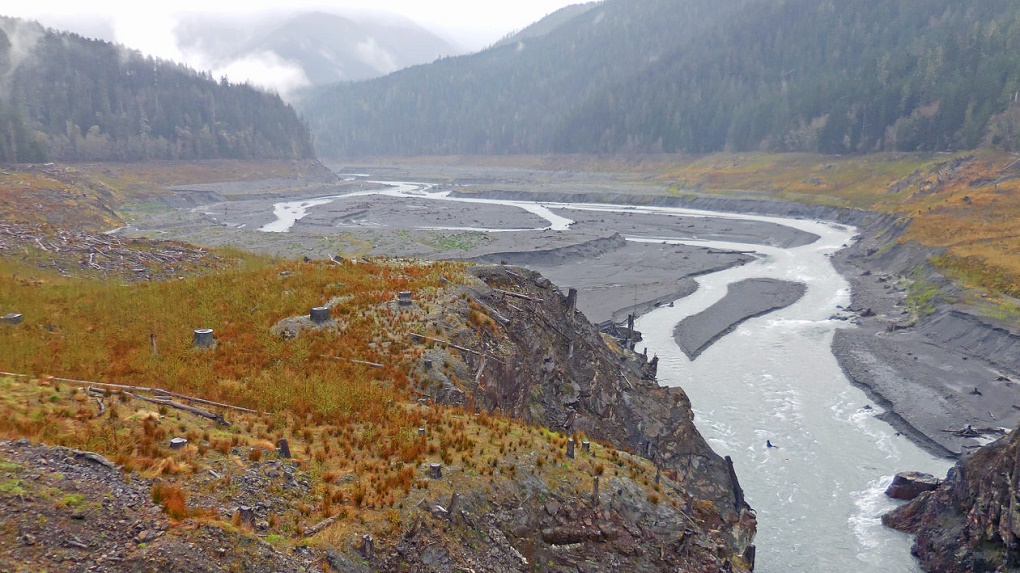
63, 97
701, 76
326, 48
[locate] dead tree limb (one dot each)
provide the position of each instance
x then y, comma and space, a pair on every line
321, 525
218, 418
517, 295
419, 337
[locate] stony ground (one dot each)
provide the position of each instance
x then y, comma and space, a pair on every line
68, 510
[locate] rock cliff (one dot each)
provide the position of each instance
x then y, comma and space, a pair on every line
971, 522
546, 364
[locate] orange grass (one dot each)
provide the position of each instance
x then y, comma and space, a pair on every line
101, 331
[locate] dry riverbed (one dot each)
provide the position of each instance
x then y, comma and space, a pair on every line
927, 386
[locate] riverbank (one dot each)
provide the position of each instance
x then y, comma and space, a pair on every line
936, 365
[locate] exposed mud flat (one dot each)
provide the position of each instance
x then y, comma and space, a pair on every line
744, 300
935, 369
947, 371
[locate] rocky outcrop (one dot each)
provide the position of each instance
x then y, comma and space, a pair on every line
972, 521
909, 485
544, 363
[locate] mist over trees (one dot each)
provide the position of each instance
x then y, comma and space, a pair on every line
64, 97
702, 76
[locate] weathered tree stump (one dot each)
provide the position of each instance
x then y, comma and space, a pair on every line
246, 515
595, 492
453, 504
404, 298
12, 319
178, 443
586, 447
570, 448
319, 314
283, 448
367, 546
428, 364
571, 301
421, 432
204, 338
435, 471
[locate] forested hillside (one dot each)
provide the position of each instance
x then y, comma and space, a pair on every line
706, 75
63, 97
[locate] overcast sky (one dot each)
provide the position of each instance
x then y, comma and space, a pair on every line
147, 26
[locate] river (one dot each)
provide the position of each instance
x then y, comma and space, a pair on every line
819, 494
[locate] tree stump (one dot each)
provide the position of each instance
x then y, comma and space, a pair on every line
586, 447
595, 492
570, 448
367, 546
283, 448
435, 471
453, 504
204, 338
421, 432
571, 301
12, 318
404, 298
428, 364
178, 443
246, 515
319, 314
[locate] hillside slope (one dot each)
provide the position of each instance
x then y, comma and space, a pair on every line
63, 97
700, 76
488, 386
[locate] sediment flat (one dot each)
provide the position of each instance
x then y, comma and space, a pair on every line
743, 300
927, 384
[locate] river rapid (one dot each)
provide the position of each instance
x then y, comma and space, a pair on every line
819, 493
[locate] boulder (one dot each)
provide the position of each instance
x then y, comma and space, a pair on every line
908, 485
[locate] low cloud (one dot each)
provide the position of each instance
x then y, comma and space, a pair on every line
372, 54
265, 70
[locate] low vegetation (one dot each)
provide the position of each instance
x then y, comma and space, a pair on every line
341, 394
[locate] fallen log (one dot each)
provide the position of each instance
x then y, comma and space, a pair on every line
218, 418
145, 389
517, 295
321, 525
419, 337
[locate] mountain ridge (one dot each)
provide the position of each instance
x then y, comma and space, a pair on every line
698, 76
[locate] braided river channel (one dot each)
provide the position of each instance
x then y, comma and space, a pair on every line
819, 494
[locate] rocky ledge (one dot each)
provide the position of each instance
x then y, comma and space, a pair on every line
971, 522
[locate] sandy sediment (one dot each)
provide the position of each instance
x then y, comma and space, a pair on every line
934, 370
743, 300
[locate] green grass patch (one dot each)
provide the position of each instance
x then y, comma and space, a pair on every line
12, 487
454, 241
